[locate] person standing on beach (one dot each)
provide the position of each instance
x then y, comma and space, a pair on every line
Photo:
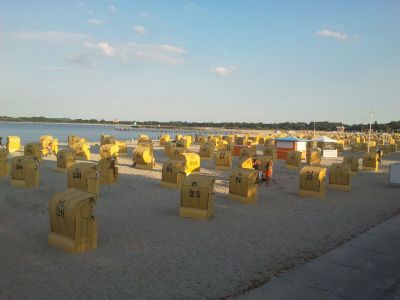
1, 144
257, 166
380, 154
50, 148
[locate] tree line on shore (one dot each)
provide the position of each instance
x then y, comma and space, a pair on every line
393, 126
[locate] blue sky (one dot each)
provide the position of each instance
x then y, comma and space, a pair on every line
257, 61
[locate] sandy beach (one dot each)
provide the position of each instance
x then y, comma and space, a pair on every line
146, 251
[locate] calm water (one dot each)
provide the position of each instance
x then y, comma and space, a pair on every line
31, 132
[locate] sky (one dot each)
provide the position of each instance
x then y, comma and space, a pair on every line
240, 61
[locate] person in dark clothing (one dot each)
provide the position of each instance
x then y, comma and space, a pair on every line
1, 144
380, 153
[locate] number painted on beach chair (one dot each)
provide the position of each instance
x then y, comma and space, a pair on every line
61, 208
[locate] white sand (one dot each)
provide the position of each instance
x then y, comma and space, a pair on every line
145, 251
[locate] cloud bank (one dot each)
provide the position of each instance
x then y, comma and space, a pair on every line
223, 71
167, 54
331, 34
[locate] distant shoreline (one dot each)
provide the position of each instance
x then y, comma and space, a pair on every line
393, 126
150, 127
58, 123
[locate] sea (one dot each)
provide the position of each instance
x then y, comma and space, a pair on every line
31, 132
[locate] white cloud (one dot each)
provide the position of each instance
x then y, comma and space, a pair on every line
80, 59
125, 51
95, 21
81, 3
167, 54
223, 71
328, 33
153, 52
112, 8
171, 49
105, 48
49, 36
140, 30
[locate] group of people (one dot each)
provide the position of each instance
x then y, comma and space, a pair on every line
263, 175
